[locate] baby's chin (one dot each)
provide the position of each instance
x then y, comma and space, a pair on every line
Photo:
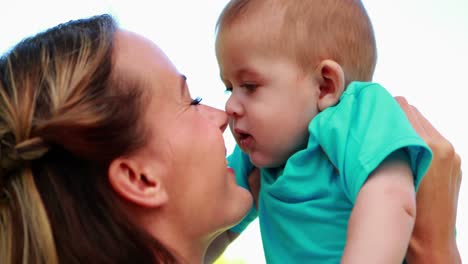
263, 161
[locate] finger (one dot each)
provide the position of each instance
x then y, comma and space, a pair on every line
457, 162
458, 171
460, 176
456, 189
456, 175
427, 126
401, 101
405, 107
413, 116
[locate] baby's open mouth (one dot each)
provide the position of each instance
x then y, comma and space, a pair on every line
242, 136
245, 141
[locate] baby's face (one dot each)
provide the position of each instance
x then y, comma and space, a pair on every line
271, 99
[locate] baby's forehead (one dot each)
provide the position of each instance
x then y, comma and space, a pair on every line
255, 15
255, 28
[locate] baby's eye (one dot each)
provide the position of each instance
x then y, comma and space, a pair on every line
249, 86
228, 90
196, 101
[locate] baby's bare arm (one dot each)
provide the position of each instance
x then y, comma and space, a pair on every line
383, 217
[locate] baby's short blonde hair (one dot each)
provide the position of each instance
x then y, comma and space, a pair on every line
313, 30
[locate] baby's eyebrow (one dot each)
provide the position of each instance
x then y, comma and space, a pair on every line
243, 73
246, 73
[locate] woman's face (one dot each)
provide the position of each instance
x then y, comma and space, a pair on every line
185, 143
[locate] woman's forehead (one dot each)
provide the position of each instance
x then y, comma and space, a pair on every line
139, 57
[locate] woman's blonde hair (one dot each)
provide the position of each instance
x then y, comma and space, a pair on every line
61, 123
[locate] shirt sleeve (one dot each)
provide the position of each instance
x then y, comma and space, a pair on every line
240, 163
363, 129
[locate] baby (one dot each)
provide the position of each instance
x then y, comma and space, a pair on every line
340, 162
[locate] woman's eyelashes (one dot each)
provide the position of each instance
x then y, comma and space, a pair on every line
196, 101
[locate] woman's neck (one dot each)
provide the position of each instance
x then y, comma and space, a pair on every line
186, 248
187, 251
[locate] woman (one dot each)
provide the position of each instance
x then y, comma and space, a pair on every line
105, 158
102, 149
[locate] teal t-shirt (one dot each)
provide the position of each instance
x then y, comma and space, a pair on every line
304, 207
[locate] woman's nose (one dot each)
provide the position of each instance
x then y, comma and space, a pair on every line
217, 116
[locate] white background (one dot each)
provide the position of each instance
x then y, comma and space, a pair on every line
422, 49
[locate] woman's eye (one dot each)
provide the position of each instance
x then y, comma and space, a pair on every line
196, 101
228, 90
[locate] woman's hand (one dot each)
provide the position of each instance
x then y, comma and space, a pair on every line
433, 238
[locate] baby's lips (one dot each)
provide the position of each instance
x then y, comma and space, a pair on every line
239, 133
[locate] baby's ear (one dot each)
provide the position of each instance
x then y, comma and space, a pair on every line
331, 82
